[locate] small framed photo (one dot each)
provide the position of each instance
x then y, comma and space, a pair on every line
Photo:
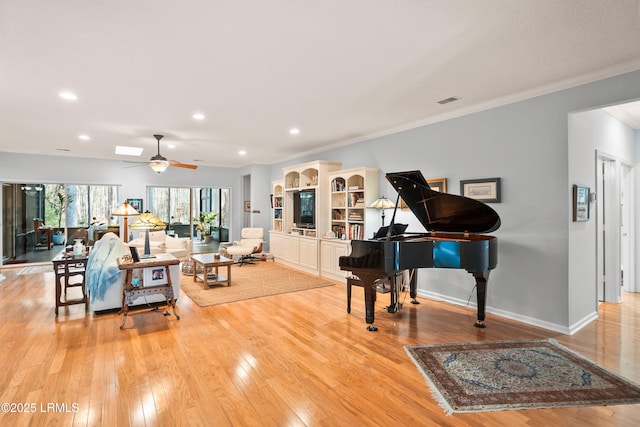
438, 184
134, 254
486, 190
135, 204
247, 206
580, 203
154, 276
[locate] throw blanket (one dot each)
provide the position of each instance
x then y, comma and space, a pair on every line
102, 265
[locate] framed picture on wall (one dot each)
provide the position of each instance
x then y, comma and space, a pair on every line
436, 184
135, 204
486, 190
580, 203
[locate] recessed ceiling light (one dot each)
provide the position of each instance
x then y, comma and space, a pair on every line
69, 96
198, 116
128, 151
294, 131
242, 152
84, 137
171, 146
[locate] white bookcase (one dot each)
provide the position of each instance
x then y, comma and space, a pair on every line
341, 200
352, 191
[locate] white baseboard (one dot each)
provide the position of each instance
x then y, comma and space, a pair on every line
515, 316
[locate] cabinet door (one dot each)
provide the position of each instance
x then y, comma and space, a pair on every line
341, 250
309, 253
327, 262
276, 245
292, 249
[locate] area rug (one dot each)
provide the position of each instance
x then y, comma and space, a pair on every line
492, 376
251, 281
36, 269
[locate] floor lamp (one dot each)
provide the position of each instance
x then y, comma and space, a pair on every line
382, 203
125, 210
147, 222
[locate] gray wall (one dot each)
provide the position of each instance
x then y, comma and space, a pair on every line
526, 144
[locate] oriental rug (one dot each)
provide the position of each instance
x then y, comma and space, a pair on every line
492, 376
251, 281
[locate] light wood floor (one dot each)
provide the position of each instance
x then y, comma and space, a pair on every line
290, 360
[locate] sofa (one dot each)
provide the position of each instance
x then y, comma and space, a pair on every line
160, 242
104, 280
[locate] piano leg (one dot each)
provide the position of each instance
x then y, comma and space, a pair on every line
368, 284
413, 286
481, 291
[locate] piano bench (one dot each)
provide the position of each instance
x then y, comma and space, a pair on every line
353, 281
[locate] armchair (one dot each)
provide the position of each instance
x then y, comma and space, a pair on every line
251, 243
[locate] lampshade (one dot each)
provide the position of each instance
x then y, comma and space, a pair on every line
125, 210
382, 203
148, 222
159, 165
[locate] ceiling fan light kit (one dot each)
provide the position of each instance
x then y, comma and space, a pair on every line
159, 163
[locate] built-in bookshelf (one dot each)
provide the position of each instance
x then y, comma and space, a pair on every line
278, 205
352, 191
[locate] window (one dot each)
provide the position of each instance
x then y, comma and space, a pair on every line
176, 206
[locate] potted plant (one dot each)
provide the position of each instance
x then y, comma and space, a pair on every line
204, 225
58, 200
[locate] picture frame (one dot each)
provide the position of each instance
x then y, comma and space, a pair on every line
135, 204
580, 203
436, 184
486, 190
134, 254
247, 206
154, 276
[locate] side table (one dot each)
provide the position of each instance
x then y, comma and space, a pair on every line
66, 266
156, 280
207, 261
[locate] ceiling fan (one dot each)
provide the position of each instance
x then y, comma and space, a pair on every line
159, 163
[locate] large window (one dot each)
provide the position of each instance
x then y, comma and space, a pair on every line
84, 204
176, 206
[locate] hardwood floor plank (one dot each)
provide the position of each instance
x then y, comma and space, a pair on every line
295, 359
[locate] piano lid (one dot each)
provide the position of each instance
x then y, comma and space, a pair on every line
440, 211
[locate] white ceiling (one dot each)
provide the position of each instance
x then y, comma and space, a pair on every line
339, 70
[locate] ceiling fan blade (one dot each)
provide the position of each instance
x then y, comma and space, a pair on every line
183, 165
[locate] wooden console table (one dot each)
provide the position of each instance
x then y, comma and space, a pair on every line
156, 279
66, 266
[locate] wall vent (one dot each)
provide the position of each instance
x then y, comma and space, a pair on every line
448, 100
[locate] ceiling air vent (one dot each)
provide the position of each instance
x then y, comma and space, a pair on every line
447, 100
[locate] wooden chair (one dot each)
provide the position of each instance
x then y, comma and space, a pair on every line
43, 236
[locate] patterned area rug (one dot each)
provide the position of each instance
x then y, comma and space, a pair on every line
251, 281
491, 376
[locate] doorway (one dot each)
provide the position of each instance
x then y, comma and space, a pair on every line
615, 233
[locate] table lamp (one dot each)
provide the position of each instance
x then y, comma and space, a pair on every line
382, 203
148, 222
125, 210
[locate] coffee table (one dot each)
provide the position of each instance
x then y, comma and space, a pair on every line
207, 261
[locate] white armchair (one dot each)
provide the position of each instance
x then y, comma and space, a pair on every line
251, 243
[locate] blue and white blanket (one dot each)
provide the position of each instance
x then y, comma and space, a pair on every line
102, 265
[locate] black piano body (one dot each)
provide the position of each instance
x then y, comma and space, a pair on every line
453, 241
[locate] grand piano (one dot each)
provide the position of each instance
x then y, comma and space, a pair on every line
453, 240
